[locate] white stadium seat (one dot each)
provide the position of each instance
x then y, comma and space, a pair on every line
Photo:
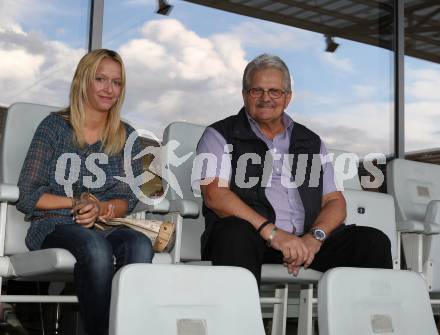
374, 301
16, 261
184, 300
378, 211
416, 189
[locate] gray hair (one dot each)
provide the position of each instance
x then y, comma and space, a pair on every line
265, 61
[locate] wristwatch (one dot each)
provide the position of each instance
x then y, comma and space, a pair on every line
318, 234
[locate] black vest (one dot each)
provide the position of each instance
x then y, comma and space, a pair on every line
237, 131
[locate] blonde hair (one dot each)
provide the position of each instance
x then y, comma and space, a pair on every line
114, 134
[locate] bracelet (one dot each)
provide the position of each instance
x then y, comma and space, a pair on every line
264, 224
271, 236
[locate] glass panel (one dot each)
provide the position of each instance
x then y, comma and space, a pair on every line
422, 75
41, 42
189, 65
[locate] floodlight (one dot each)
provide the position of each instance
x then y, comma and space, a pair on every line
331, 44
164, 7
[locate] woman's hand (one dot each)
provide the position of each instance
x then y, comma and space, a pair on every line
109, 214
86, 212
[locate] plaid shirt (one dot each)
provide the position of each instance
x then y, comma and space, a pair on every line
52, 139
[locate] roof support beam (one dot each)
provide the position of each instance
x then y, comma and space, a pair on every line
96, 23
399, 97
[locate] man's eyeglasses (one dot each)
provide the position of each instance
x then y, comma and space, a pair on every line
258, 92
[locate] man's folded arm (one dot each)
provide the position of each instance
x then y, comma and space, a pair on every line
224, 202
333, 212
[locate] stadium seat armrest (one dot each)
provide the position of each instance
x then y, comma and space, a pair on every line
8, 193
186, 208
157, 206
410, 226
433, 212
431, 228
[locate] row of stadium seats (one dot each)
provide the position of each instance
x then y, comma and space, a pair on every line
375, 293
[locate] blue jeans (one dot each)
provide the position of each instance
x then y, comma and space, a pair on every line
94, 268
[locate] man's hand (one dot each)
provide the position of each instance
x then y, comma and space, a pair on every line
294, 251
313, 246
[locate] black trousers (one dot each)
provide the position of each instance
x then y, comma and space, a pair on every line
235, 242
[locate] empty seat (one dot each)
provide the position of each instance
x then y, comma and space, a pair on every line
416, 189
184, 300
374, 301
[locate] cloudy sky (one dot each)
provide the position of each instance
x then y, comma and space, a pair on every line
188, 66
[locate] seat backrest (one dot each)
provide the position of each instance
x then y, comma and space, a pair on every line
364, 208
413, 185
341, 164
186, 300
373, 209
22, 119
186, 136
373, 301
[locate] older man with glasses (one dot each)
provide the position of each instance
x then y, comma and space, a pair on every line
254, 213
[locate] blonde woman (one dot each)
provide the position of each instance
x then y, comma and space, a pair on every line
80, 151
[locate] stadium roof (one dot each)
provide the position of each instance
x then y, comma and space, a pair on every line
365, 21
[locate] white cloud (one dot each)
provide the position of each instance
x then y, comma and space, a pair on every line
145, 54
421, 125
175, 74
13, 13
423, 84
361, 127
364, 91
34, 69
18, 65
340, 64
422, 107
269, 36
366, 125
